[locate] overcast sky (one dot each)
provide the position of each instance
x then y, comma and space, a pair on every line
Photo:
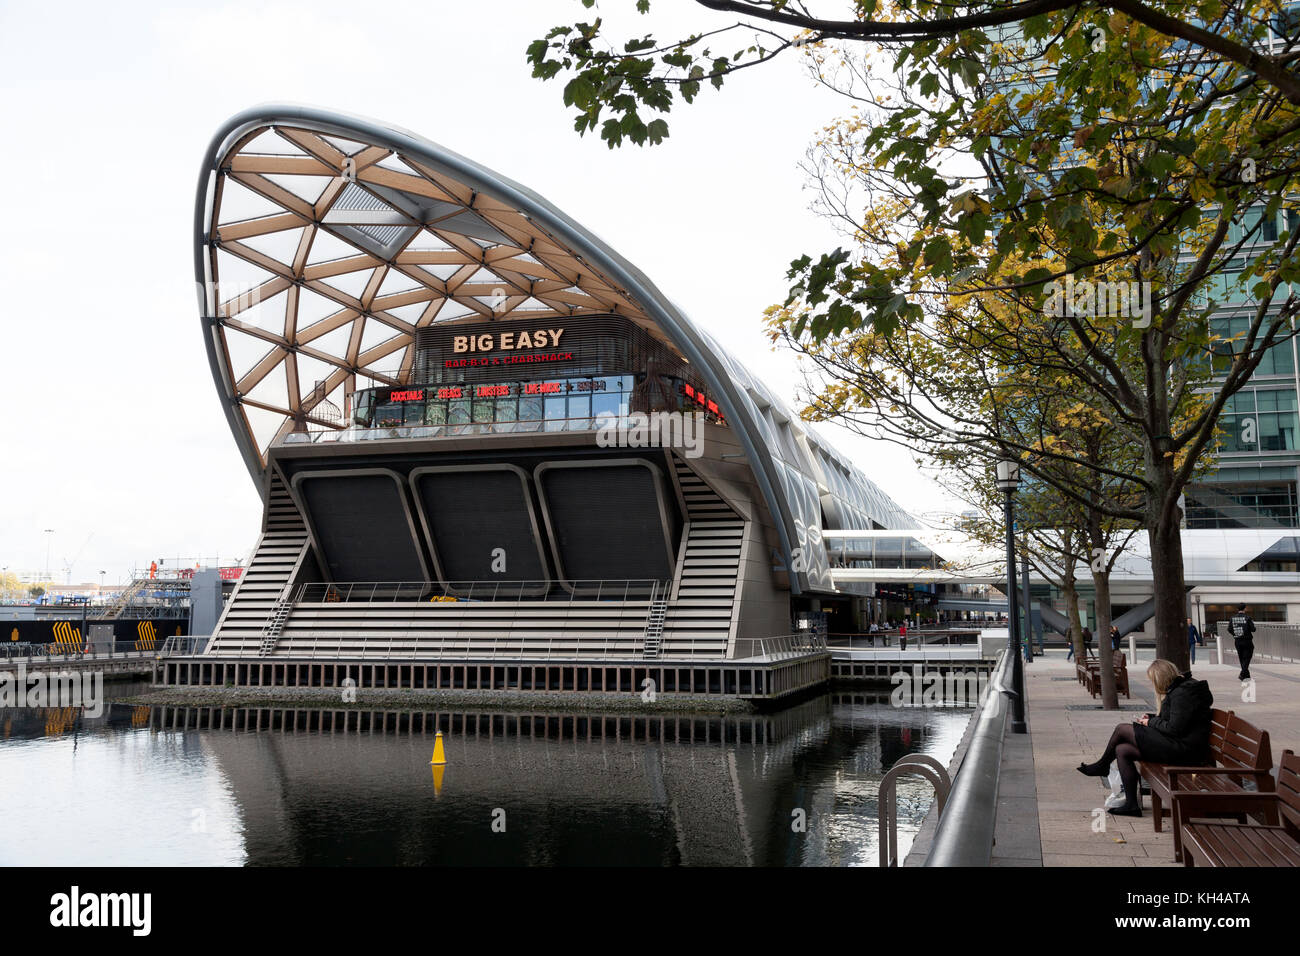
114, 436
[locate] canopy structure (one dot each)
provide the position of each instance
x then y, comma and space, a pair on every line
324, 241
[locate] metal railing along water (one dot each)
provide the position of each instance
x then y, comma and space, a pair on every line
781, 647
965, 833
563, 649
24, 653
458, 649
183, 646
945, 638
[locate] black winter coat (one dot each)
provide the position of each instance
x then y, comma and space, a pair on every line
1180, 733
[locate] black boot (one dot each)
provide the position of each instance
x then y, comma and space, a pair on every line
1132, 806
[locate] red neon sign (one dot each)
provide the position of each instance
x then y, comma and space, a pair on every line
409, 395
492, 391
701, 399
543, 388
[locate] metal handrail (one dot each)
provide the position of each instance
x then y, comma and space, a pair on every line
31, 653
552, 590
182, 646
458, 648
921, 765
781, 646
965, 833
922, 639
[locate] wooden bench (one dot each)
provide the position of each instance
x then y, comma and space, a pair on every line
1082, 666
1212, 843
1239, 750
1121, 677
1091, 678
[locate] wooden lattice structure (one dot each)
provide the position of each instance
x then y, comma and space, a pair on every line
325, 255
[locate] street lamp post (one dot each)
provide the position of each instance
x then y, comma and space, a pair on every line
1008, 480
1024, 600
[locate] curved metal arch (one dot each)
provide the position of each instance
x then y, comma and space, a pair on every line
580, 241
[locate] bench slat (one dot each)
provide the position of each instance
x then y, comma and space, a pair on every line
1225, 844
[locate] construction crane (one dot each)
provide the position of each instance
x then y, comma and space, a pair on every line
67, 565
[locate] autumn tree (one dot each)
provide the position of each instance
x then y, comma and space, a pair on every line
10, 586
1039, 151
1083, 511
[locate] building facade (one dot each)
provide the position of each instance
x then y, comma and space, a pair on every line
476, 428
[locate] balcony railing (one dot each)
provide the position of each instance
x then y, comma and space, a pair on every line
566, 591
782, 647
349, 435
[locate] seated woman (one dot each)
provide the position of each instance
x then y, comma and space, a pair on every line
1178, 734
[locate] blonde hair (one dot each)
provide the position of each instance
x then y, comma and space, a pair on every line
1162, 673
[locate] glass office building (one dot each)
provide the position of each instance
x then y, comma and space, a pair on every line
1254, 485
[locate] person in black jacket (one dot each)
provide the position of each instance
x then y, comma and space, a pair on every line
1242, 628
1178, 734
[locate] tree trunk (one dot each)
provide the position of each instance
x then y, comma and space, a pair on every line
1100, 566
1169, 592
1074, 633
1101, 584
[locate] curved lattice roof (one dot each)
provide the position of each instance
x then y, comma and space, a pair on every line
324, 241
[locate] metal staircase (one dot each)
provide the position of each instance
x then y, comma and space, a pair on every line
654, 623
701, 617
274, 625
257, 612
110, 612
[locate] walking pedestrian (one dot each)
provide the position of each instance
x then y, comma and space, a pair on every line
1242, 628
1193, 638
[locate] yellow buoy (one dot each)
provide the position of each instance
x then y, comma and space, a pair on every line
438, 771
438, 755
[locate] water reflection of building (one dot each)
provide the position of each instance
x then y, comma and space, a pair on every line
355, 786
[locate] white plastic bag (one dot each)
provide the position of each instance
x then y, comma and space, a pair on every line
1116, 798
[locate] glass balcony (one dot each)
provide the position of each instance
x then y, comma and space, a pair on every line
348, 435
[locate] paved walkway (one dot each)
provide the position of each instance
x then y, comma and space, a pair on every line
1068, 726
